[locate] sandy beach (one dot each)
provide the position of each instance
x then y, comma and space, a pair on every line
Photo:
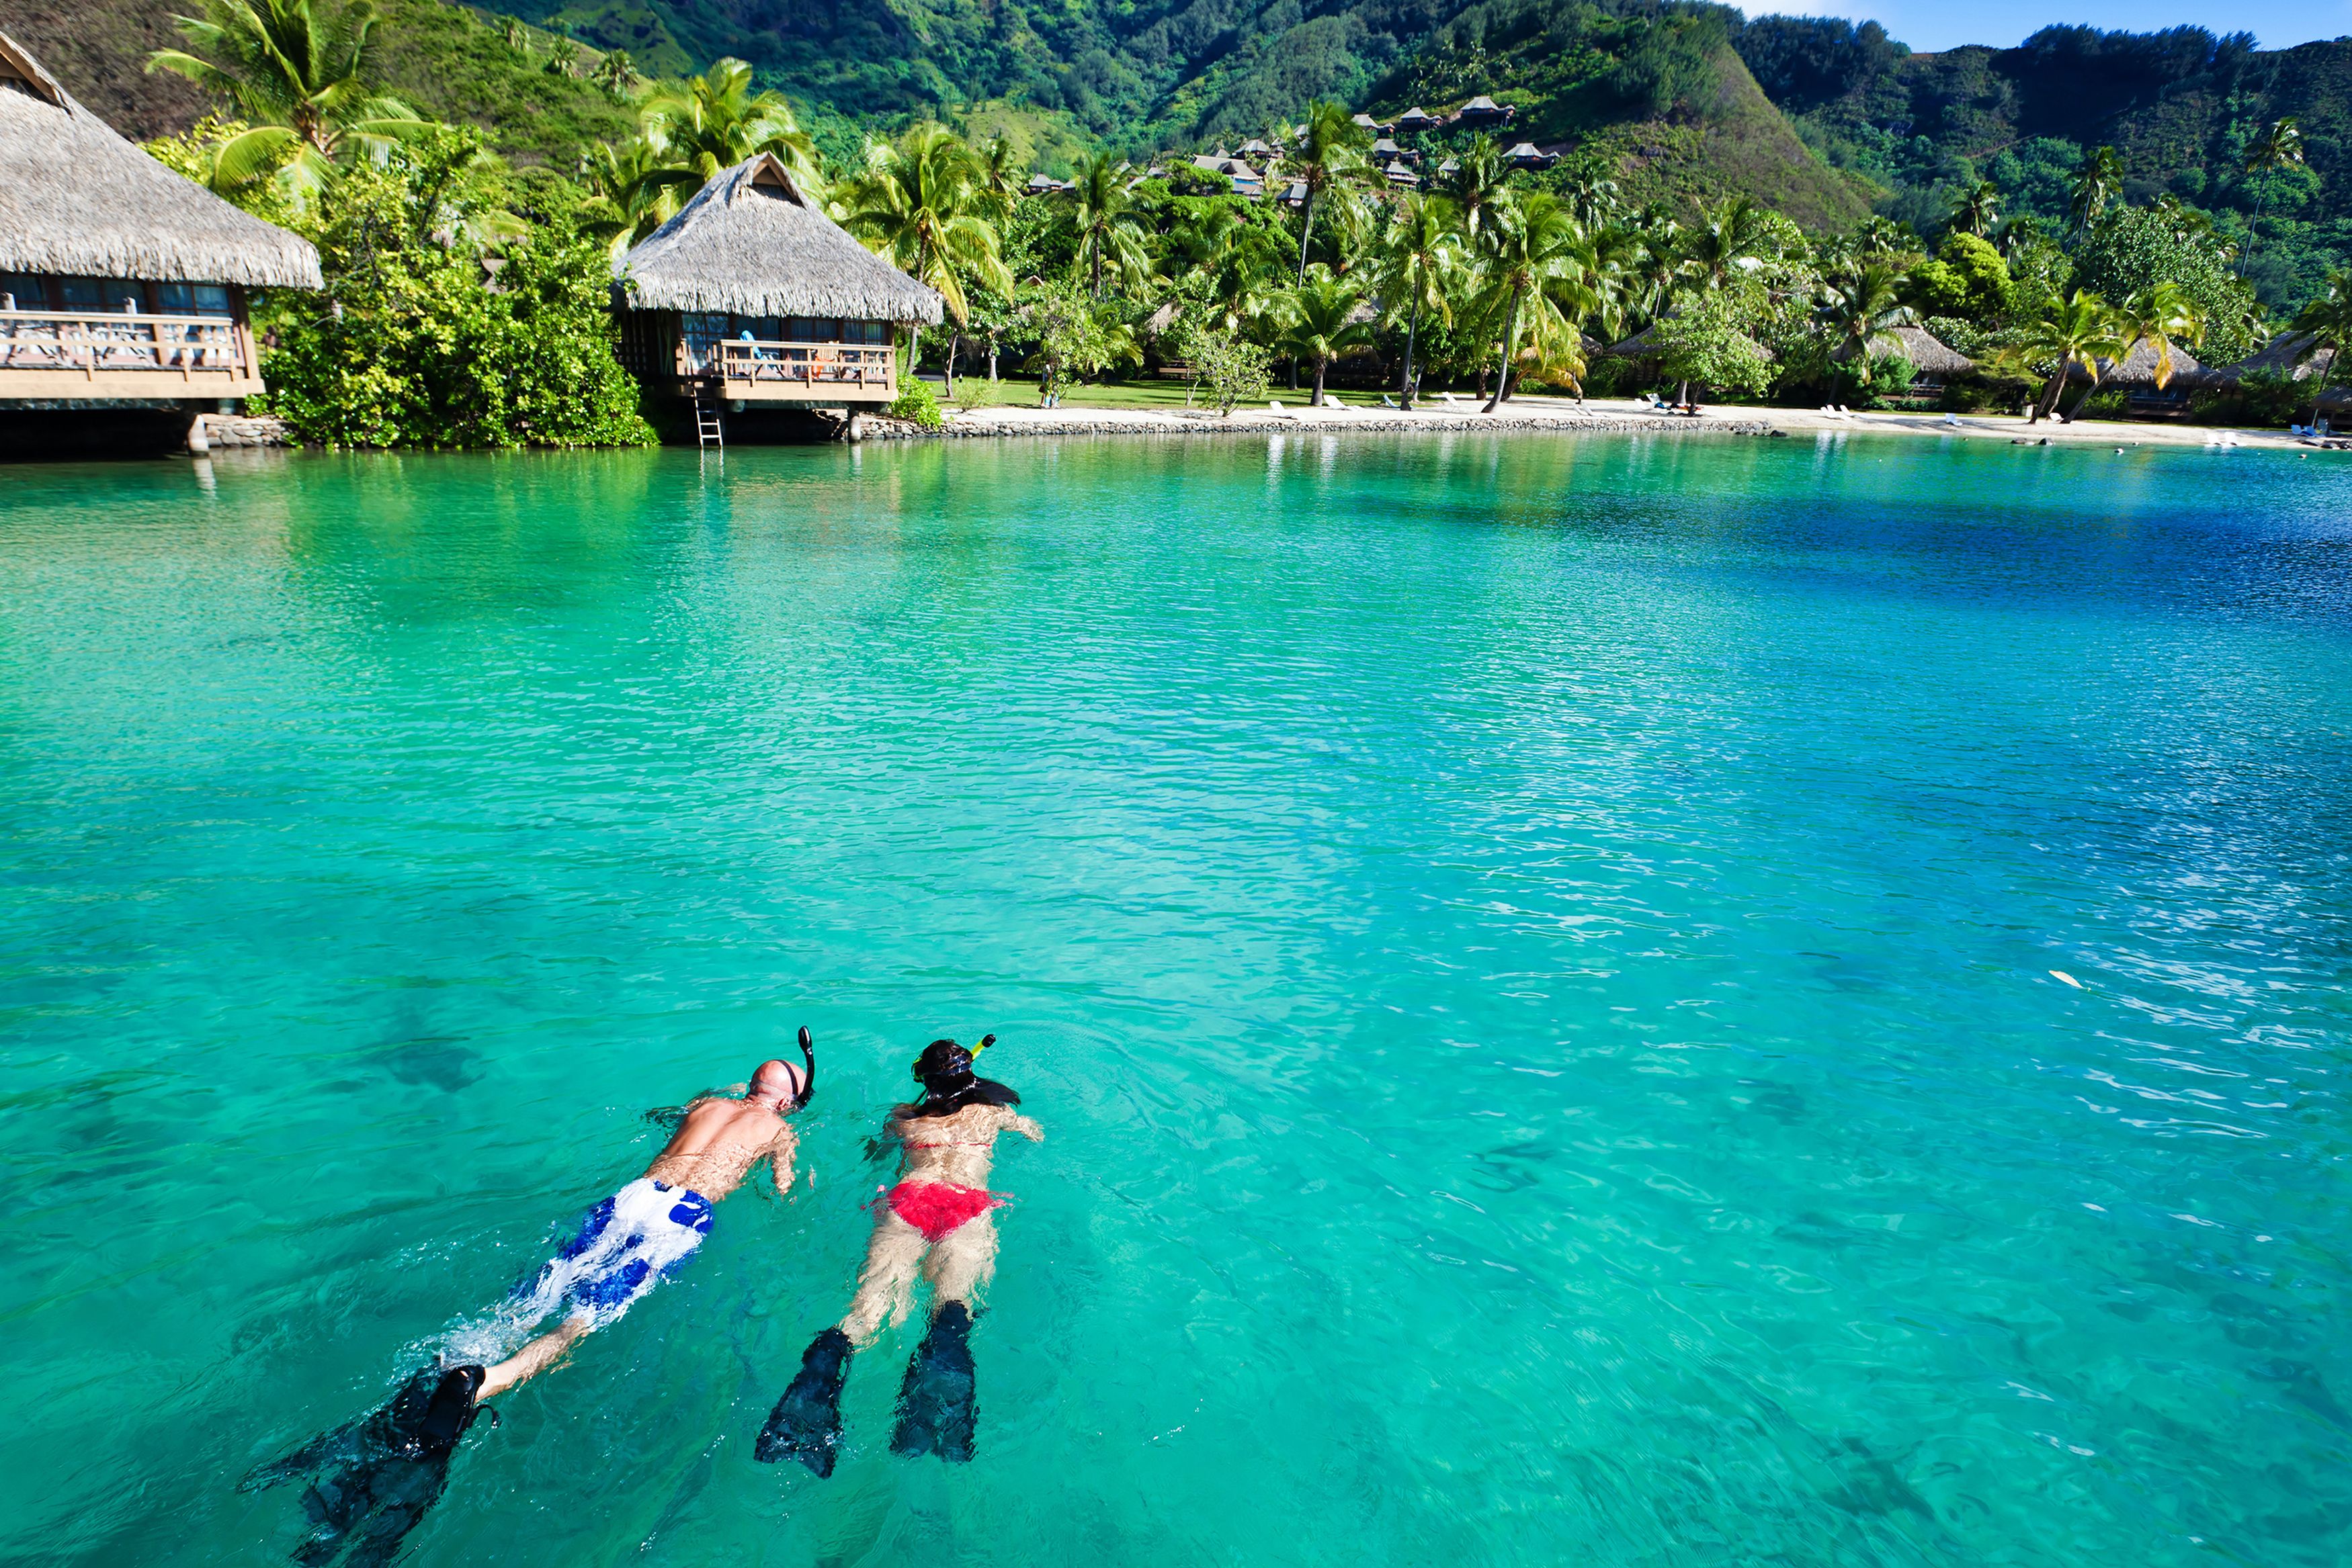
1597, 414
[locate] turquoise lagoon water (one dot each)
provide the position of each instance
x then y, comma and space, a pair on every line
1533, 955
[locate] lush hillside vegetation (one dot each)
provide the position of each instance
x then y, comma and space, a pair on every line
2182, 108
447, 62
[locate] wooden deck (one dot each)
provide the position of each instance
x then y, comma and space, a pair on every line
797, 372
51, 353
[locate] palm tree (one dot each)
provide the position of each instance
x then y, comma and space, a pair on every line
1859, 306
2076, 331
922, 205
2156, 316
295, 72
1316, 321
1331, 156
637, 188
2101, 182
1108, 229
1421, 261
1539, 263
1731, 234
1477, 182
714, 121
1002, 176
2327, 317
617, 74
2280, 147
563, 60
1978, 211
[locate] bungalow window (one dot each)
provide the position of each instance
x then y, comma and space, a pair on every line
190, 299
866, 332
30, 293
704, 331
103, 293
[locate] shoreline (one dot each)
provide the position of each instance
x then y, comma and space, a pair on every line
1596, 416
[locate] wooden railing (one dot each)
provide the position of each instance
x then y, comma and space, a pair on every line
795, 366
97, 344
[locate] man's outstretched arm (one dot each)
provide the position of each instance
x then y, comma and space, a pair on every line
1016, 1123
780, 1155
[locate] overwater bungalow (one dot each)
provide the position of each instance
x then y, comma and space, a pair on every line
750, 297
123, 287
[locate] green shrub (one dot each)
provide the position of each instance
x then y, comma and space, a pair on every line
2258, 398
409, 346
916, 403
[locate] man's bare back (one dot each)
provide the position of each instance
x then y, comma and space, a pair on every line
719, 1142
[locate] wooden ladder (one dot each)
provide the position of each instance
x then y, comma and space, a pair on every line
706, 420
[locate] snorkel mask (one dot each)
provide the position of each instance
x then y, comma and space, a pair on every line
945, 1067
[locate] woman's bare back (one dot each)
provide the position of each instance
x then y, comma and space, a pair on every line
958, 1148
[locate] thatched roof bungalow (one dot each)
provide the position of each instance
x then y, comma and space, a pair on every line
751, 294
1482, 111
2290, 354
2135, 372
119, 279
1415, 120
1936, 360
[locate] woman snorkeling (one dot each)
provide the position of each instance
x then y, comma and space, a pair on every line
936, 1222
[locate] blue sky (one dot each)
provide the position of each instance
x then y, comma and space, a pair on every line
1924, 24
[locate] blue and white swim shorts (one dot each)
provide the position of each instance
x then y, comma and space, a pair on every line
628, 1244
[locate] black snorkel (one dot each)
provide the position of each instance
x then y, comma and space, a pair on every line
808, 1082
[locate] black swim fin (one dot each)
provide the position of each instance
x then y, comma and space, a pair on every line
936, 1415
806, 1423
374, 1480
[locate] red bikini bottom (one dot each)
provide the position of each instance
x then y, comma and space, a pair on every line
938, 1209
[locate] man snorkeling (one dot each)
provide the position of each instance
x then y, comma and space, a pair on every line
935, 1222
372, 1481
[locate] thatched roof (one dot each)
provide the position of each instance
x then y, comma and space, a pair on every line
1928, 354
2138, 368
749, 241
2289, 355
77, 199
1644, 344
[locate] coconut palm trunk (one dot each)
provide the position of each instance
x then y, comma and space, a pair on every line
1305, 229
1411, 324
955, 346
2049, 398
2319, 396
1510, 342
1320, 365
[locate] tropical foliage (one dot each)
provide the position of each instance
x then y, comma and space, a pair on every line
1489, 274
408, 348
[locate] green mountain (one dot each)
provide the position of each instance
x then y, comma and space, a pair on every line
1671, 99
2181, 106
